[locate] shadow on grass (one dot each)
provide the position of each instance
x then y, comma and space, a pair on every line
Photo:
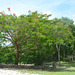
42, 68
67, 64
64, 70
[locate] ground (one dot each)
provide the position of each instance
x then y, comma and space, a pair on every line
13, 72
66, 68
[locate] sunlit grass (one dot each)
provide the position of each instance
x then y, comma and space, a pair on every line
67, 71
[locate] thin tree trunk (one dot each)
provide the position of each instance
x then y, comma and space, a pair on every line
58, 49
59, 56
64, 56
72, 59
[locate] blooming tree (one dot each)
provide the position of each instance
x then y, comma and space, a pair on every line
24, 32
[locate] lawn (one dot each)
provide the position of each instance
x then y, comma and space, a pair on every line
69, 70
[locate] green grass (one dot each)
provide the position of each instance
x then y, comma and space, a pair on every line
70, 70
67, 64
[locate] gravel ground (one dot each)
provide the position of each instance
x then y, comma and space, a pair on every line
12, 72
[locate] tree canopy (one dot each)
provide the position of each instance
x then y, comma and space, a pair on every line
35, 32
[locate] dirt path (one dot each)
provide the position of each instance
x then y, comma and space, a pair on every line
12, 72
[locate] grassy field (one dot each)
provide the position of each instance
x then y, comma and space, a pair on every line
69, 70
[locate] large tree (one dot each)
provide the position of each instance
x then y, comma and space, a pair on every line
24, 32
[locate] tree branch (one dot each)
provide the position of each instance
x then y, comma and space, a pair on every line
57, 46
8, 39
25, 41
28, 50
10, 35
22, 40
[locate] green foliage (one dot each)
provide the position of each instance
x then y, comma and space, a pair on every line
27, 32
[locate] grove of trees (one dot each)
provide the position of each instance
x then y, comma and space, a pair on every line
35, 39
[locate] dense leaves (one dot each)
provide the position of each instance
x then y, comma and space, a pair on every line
34, 38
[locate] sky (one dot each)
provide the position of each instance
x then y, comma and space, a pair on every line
57, 8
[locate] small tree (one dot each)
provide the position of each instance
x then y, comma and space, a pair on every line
60, 35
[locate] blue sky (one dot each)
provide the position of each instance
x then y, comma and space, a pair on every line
57, 8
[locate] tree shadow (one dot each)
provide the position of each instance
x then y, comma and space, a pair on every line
63, 70
42, 68
68, 64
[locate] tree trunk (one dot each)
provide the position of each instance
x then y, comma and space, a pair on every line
59, 56
58, 49
17, 56
64, 56
72, 59
54, 65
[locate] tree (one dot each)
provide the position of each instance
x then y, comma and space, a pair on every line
67, 21
24, 32
62, 35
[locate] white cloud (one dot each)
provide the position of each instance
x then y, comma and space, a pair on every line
48, 13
